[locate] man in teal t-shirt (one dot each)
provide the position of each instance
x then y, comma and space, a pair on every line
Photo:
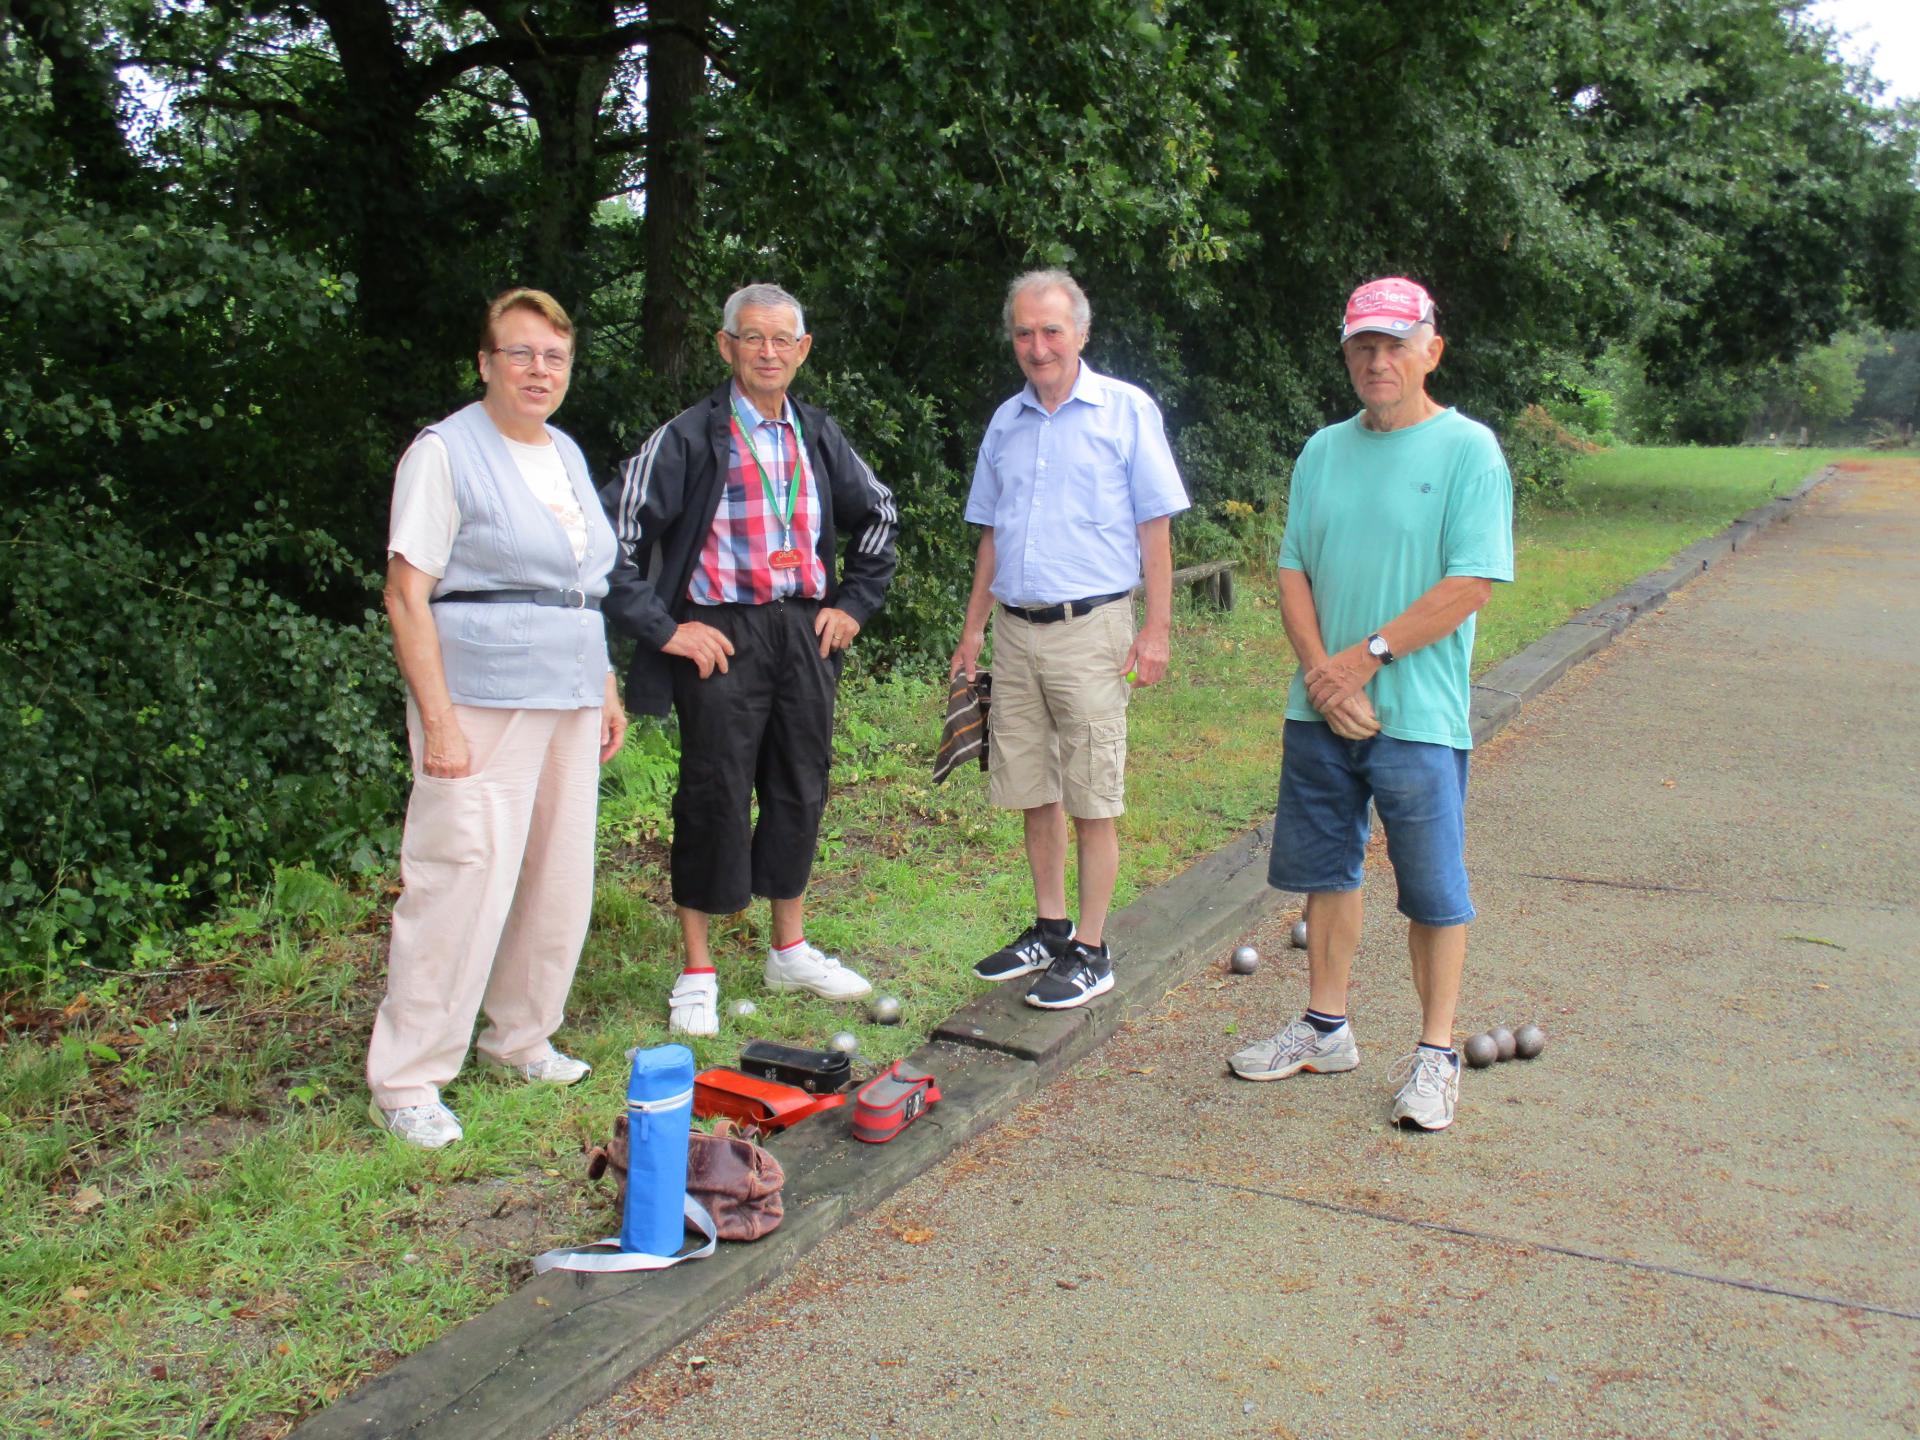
1398, 522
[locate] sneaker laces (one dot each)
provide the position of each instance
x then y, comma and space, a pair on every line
1031, 945
1295, 1039
1068, 967
1427, 1069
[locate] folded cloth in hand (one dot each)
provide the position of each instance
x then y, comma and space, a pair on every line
964, 735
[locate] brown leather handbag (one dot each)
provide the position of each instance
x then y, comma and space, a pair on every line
737, 1181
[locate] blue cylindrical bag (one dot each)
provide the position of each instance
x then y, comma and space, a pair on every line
659, 1118
659, 1211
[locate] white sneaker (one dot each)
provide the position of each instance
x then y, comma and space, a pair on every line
1431, 1090
805, 968
1297, 1047
550, 1069
694, 1005
428, 1126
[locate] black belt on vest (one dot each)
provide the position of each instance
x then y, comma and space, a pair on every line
1066, 610
560, 599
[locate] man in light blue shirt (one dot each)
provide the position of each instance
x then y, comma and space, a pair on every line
1075, 491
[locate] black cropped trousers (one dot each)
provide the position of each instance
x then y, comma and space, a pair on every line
763, 730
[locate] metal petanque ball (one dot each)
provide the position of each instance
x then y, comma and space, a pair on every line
740, 1009
1245, 960
845, 1041
885, 1010
1481, 1051
1503, 1038
1299, 935
1529, 1041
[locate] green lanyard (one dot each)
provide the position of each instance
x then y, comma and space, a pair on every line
785, 517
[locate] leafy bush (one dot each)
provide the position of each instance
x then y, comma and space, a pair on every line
901, 434
1588, 411
174, 728
1540, 453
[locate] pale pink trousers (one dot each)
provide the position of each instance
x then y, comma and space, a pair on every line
497, 870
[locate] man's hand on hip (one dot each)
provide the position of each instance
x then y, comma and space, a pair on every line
1340, 677
705, 646
835, 628
1147, 658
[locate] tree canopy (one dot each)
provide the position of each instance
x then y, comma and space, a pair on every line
244, 245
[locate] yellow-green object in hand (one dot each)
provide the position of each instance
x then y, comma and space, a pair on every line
1133, 677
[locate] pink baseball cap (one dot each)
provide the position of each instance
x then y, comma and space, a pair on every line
1392, 306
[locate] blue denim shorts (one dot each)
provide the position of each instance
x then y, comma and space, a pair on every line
1320, 825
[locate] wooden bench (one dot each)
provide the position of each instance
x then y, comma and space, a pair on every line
1211, 581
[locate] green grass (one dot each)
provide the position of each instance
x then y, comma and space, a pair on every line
205, 1236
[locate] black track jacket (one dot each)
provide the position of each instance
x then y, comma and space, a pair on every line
662, 507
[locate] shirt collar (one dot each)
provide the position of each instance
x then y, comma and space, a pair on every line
1089, 385
749, 417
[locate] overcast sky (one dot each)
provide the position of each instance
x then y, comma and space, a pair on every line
1890, 29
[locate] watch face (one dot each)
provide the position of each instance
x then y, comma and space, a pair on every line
1376, 646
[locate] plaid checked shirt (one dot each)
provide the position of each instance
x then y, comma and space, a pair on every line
733, 568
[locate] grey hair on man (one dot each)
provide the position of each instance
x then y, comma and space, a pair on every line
1060, 280
761, 297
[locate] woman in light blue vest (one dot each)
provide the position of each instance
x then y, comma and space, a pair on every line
497, 558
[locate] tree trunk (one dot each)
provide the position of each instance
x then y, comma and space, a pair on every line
86, 97
379, 126
564, 97
676, 84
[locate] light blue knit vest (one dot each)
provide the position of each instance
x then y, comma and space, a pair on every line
531, 657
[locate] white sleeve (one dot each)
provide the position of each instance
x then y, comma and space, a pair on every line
425, 518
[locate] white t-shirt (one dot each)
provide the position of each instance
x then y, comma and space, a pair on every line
425, 517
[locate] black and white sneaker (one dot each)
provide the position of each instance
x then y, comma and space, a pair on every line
1074, 979
1034, 950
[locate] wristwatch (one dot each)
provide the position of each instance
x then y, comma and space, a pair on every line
1378, 648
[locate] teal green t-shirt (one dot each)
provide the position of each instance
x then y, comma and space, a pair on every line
1374, 521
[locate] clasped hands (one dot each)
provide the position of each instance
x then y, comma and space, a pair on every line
1336, 687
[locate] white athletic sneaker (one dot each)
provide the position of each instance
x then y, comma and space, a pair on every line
428, 1126
823, 975
1431, 1090
1298, 1047
551, 1069
694, 1005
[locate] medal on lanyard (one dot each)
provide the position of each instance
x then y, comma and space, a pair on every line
787, 557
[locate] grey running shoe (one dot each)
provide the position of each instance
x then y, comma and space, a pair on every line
1431, 1090
1296, 1048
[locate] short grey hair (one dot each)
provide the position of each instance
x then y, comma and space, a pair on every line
761, 297
1060, 280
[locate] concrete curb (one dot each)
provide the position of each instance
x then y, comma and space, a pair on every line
563, 1342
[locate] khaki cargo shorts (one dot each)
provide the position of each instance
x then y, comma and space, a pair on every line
1059, 716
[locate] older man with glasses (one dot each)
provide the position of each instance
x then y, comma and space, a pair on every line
754, 545
1074, 492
